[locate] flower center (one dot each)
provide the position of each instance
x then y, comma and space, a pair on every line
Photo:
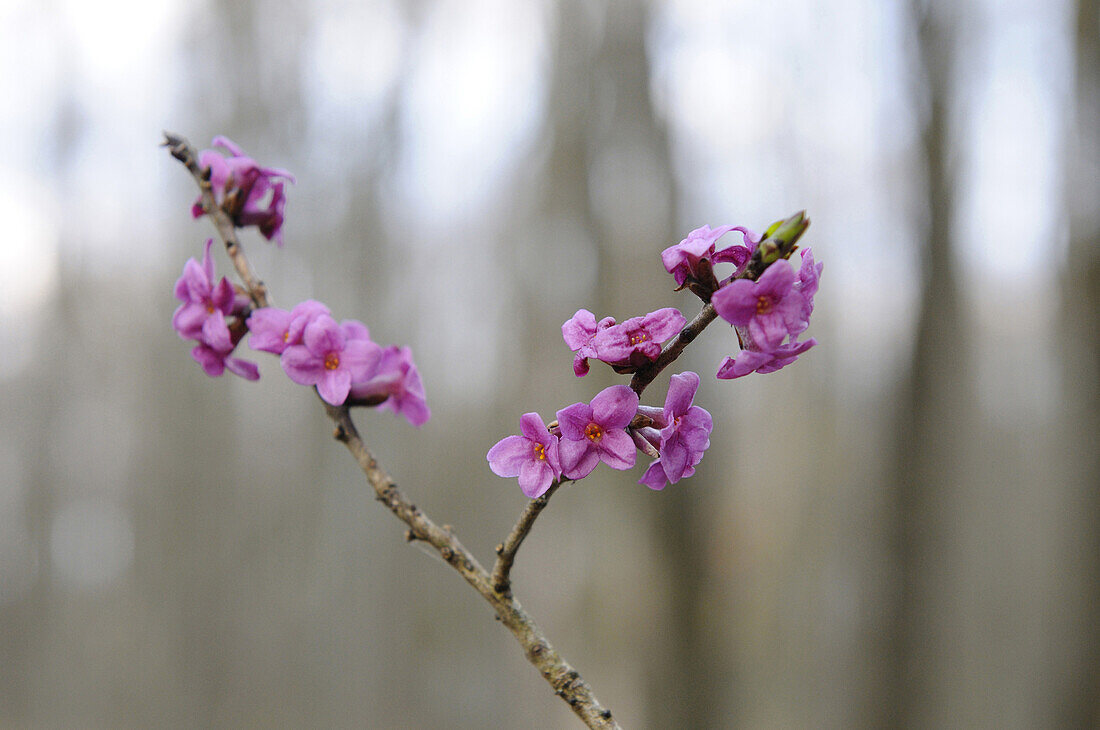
639, 337
540, 452
332, 361
593, 432
763, 305
286, 335
209, 307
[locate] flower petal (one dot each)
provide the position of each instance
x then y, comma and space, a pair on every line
578, 458
572, 420
617, 449
614, 407
508, 456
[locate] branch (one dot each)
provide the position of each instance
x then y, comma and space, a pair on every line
506, 551
566, 681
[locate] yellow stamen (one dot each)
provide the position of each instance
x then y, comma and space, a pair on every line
763, 305
593, 432
540, 452
332, 361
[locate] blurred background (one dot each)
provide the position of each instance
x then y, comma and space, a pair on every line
901, 530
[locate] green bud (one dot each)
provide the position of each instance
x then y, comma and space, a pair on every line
779, 241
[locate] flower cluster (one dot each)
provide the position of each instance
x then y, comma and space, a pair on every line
767, 302
607, 430
774, 308
252, 195
339, 359
206, 315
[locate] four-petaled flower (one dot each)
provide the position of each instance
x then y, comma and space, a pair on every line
637, 341
329, 359
684, 437
203, 300
770, 307
533, 456
693, 258
591, 433
250, 194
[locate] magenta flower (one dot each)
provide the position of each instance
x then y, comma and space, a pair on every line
693, 257
533, 456
330, 360
272, 329
395, 384
213, 354
591, 433
684, 437
250, 194
637, 341
202, 299
579, 333
769, 308
755, 361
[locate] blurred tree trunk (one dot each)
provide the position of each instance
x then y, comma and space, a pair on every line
932, 407
1081, 307
609, 179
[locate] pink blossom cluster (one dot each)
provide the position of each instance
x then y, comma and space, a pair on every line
339, 359
252, 195
769, 306
585, 434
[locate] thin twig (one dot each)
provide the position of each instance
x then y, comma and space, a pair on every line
566, 681
506, 551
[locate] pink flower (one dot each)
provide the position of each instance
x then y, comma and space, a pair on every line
625, 346
693, 258
395, 384
579, 333
770, 308
330, 360
533, 456
684, 437
250, 194
591, 433
272, 329
637, 341
213, 354
202, 299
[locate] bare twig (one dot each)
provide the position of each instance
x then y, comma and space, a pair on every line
506, 551
566, 681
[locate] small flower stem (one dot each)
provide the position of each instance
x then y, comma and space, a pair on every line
506, 551
565, 680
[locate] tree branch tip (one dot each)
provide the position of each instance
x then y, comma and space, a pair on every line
499, 548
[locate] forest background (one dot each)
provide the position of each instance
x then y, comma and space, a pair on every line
903, 528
